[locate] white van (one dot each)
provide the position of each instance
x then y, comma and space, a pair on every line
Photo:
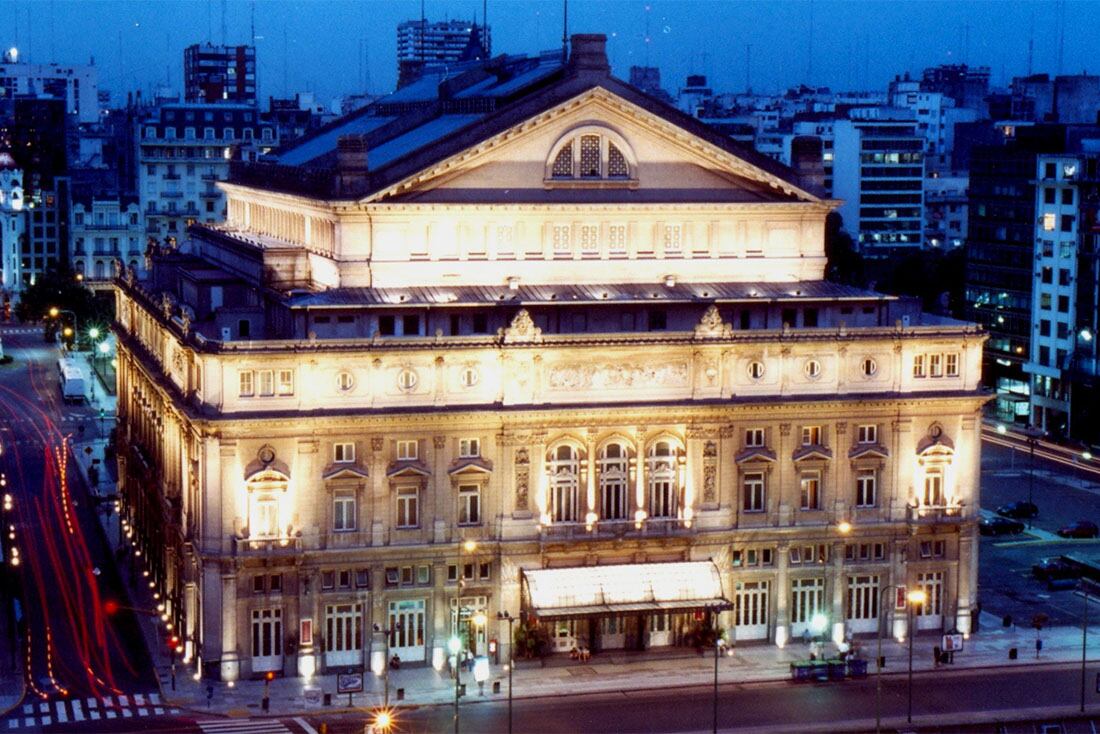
71, 380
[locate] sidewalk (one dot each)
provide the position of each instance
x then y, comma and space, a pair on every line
621, 671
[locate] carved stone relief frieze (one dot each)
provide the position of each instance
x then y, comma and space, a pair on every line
615, 376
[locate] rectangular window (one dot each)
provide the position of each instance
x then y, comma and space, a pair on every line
1050, 220
423, 575
258, 584
247, 387
951, 364
362, 578
343, 452
393, 576
483, 570
1049, 193
328, 580
387, 325
265, 382
935, 365
865, 488
406, 575
410, 325
673, 238
616, 238
807, 599
1067, 222
590, 238
561, 240
469, 448
275, 583
407, 450
343, 512
469, 504
1044, 327
753, 487
408, 507
867, 434
811, 435
286, 382
343, 579
658, 321
452, 573
754, 438
918, 365
862, 598
1063, 304
810, 484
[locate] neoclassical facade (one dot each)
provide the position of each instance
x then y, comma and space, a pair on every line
577, 329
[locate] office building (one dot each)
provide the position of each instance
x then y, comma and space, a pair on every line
423, 45
76, 85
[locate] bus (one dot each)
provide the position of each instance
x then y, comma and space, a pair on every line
71, 381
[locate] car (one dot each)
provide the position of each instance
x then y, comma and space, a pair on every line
1019, 510
1000, 526
1079, 529
1055, 568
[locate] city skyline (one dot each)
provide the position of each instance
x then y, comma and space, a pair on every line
142, 44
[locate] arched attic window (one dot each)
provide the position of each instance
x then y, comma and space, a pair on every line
594, 154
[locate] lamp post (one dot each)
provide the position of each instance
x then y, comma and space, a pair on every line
506, 617
1086, 586
386, 662
915, 597
55, 312
1033, 434
454, 645
717, 647
911, 597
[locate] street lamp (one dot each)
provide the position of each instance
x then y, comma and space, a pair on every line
454, 645
915, 597
506, 617
54, 312
1033, 434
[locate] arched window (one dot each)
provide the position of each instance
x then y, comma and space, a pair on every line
614, 482
265, 491
564, 466
661, 473
591, 153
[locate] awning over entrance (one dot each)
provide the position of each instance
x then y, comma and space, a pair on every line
636, 588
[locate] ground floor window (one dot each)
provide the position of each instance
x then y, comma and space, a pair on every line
406, 620
343, 633
807, 599
267, 639
932, 585
863, 598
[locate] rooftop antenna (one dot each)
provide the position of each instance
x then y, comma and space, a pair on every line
485, 26
1061, 33
810, 49
565, 31
285, 57
748, 68
1031, 45
223, 22
423, 30
53, 51
210, 21
252, 29
647, 39
966, 43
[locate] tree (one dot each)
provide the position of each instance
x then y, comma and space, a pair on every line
60, 289
845, 265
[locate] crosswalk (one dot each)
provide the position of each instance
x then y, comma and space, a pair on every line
244, 726
77, 710
4, 330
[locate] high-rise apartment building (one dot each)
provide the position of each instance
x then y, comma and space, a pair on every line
569, 354
213, 74
423, 45
75, 84
184, 150
878, 172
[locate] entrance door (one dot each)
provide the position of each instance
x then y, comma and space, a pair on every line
612, 633
267, 640
660, 630
807, 599
930, 614
407, 623
464, 613
343, 634
751, 612
862, 603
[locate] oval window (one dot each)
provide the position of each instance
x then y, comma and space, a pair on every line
345, 381
756, 370
813, 369
407, 379
469, 376
868, 367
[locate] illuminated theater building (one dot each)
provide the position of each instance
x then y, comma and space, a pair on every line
528, 306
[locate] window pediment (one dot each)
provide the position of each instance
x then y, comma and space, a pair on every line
343, 471
470, 465
813, 451
755, 454
868, 450
408, 468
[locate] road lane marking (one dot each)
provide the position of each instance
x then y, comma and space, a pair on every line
78, 711
305, 725
139, 700
62, 716
95, 715
154, 698
13, 723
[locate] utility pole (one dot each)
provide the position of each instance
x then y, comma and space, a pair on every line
748, 68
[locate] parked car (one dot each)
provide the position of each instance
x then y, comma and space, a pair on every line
1018, 510
1079, 529
1055, 568
1000, 526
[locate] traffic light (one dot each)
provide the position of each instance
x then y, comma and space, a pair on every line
110, 606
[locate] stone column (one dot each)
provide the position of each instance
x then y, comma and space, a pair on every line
190, 620
899, 577
230, 660
965, 581
591, 501
639, 475
379, 506
782, 595
443, 508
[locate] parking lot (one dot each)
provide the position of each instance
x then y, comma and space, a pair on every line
1063, 495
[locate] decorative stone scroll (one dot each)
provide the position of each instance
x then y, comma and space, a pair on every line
522, 329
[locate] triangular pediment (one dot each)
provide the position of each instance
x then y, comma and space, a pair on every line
671, 159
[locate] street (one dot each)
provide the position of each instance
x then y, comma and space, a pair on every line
66, 579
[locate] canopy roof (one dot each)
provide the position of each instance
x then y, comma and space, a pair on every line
623, 589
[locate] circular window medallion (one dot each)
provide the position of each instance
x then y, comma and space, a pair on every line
407, 379
756, 370
868, 367
266, 454
470, 376
812, 369
345, 381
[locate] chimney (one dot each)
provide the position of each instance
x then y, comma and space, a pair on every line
589, 53
352, 170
